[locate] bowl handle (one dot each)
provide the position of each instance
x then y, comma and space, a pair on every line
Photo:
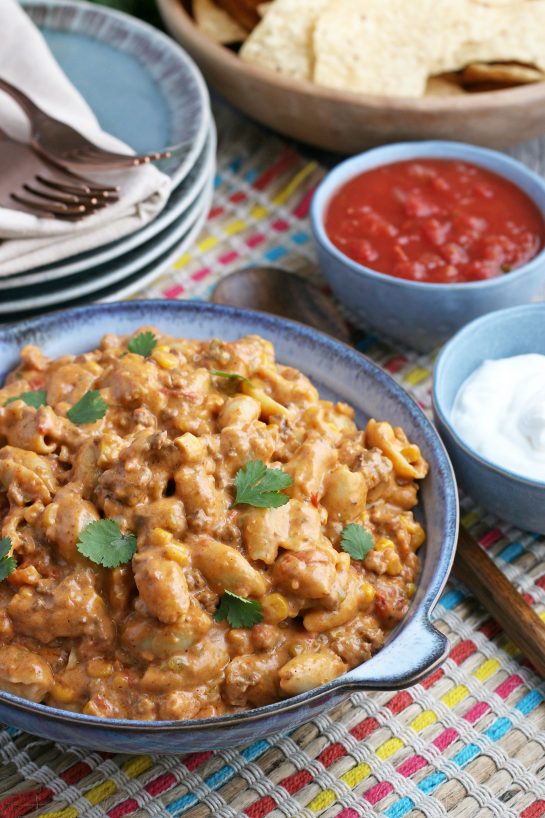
402, 662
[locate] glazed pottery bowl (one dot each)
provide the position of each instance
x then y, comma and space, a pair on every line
339, 372
502, 334
348, 122
418, 313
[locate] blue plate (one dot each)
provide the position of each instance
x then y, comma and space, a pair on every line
142, 86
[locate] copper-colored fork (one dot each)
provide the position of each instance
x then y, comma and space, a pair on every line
30, 183
63, 144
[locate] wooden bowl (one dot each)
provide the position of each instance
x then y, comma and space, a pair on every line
346, 122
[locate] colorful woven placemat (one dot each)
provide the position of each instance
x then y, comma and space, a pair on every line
468, 741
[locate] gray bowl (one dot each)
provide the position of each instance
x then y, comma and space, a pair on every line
414, 312
339, 372
501, 334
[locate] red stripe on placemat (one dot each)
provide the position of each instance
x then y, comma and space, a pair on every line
535, 810
399, 702
490, 537
286, 159
20, 804
300, 211
124, 808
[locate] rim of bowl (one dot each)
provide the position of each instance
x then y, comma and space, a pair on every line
462, 151
442, 364
49, 321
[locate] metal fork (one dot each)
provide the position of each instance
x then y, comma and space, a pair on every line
63, 144
30, 183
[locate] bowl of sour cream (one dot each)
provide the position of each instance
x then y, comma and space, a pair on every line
489, 405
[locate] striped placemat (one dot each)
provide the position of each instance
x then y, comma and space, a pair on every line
468, 741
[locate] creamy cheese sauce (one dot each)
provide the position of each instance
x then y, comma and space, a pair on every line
500, 412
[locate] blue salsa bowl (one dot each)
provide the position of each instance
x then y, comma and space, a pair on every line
418, 313
340, 373
502, 334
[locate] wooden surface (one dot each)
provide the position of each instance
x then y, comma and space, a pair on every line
347, 123
272, 290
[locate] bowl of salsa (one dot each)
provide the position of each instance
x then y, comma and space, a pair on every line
417, 239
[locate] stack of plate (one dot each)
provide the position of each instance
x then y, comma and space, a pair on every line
145, 90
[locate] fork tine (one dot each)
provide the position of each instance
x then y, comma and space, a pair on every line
75, 211
67, 199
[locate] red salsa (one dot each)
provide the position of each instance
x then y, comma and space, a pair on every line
435, 220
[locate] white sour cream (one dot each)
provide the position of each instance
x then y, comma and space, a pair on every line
499, 412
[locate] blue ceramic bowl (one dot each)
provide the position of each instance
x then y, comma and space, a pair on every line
340, 373
416, 313
501, 334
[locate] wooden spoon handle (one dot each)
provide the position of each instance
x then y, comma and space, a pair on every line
520, 622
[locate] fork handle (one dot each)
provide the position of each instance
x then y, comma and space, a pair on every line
21, 98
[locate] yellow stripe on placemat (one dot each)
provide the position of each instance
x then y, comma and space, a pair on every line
416, 375
132, 769
102, 791
207, 244
235, 227
389, 748
259, 212
67, 812
470, 519
182, 261
486, 670
283, 195
455, 696
356, 774
423, 720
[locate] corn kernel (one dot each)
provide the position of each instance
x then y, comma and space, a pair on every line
94, 367
191, 447
178, 552
417, 537
383, 544
367, 592
90, 709
165, 359
395, 566
275, 608
410, 590
99, 668
160, 537
119, 680
62, 693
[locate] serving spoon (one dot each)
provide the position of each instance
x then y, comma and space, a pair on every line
273, 290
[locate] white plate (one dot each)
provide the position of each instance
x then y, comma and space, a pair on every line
132, 263
180, 200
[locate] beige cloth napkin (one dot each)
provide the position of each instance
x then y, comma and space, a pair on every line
26, 61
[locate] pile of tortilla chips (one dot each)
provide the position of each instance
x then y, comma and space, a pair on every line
409, 48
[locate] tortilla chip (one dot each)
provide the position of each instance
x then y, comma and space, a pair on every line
243, 11
504, 74
444, 85
283, 39
379, 47
217, 23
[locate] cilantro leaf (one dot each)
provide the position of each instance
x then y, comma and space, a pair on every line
89, 408
7, 564
356, 541
261, 487
239, 612
142, 344
36, 398
102, 542
219, 373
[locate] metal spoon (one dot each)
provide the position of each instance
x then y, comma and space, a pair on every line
270, 289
